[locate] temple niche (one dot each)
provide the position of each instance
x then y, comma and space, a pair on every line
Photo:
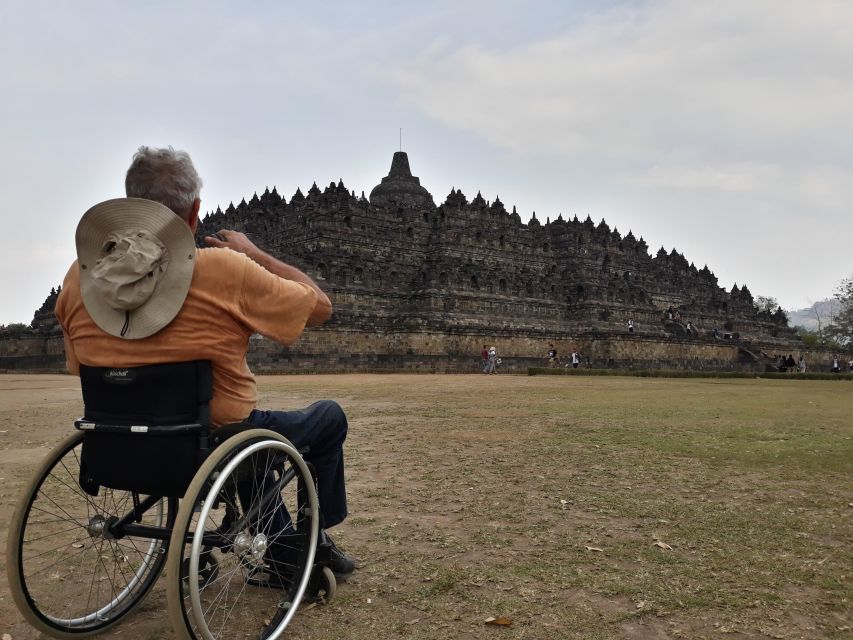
398, 263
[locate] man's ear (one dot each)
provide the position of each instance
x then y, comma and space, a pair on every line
192, 220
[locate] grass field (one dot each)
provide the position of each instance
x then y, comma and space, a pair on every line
575, 507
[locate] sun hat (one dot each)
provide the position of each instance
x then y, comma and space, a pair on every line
136, 261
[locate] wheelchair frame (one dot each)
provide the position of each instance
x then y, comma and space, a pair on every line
232, 507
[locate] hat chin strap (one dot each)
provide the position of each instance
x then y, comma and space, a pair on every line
126, 323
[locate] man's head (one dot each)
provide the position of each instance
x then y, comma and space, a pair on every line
166, 176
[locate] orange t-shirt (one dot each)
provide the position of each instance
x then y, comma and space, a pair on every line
230, 298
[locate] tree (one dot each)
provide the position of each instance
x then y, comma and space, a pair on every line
824, 312
812, 338
14, 328
841, 328
768, 304
844, 291
767, 307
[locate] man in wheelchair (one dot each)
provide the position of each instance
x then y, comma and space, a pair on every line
141, 294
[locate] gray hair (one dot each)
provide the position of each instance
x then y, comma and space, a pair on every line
165, 176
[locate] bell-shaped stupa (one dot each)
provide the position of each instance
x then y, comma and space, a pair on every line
400, 187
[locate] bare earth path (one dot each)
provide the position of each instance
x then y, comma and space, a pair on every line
544, 499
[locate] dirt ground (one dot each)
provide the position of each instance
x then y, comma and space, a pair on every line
573, 507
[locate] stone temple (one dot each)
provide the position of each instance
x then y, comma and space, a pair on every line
420, 286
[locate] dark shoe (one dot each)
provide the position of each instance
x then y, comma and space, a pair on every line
339, 562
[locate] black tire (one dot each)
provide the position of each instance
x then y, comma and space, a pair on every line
66, 577
250, 596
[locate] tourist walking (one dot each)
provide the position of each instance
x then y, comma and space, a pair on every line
492, 360
552, 356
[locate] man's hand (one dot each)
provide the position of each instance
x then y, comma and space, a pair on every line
235, 241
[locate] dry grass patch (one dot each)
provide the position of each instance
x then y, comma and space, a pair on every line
578, 507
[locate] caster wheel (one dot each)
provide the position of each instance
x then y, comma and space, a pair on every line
322, 586
328, 583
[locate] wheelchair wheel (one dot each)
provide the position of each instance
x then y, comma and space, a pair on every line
252, 512
68, 575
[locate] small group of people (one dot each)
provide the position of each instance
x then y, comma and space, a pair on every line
554, 359
789, 365
674, 315
490, 359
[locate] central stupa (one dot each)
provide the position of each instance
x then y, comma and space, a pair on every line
400, 187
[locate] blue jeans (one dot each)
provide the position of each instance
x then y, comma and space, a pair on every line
322, 427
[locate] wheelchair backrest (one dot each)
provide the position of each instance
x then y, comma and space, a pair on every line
157, 394
146, 428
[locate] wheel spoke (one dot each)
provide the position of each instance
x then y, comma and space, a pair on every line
232, 604
60, 538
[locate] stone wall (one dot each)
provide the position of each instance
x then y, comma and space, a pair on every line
32, 352
334, 349
341, 350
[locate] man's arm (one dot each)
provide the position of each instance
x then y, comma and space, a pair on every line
237, 241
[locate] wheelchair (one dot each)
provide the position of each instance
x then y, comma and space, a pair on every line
144, 486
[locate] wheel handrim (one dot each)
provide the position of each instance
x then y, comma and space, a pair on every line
57, 544
197, 544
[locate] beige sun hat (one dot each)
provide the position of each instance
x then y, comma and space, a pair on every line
136, 262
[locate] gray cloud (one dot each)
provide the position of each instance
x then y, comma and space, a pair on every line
718, 128
659, 82
681, 113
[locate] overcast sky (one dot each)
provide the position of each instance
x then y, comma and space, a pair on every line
722, 129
